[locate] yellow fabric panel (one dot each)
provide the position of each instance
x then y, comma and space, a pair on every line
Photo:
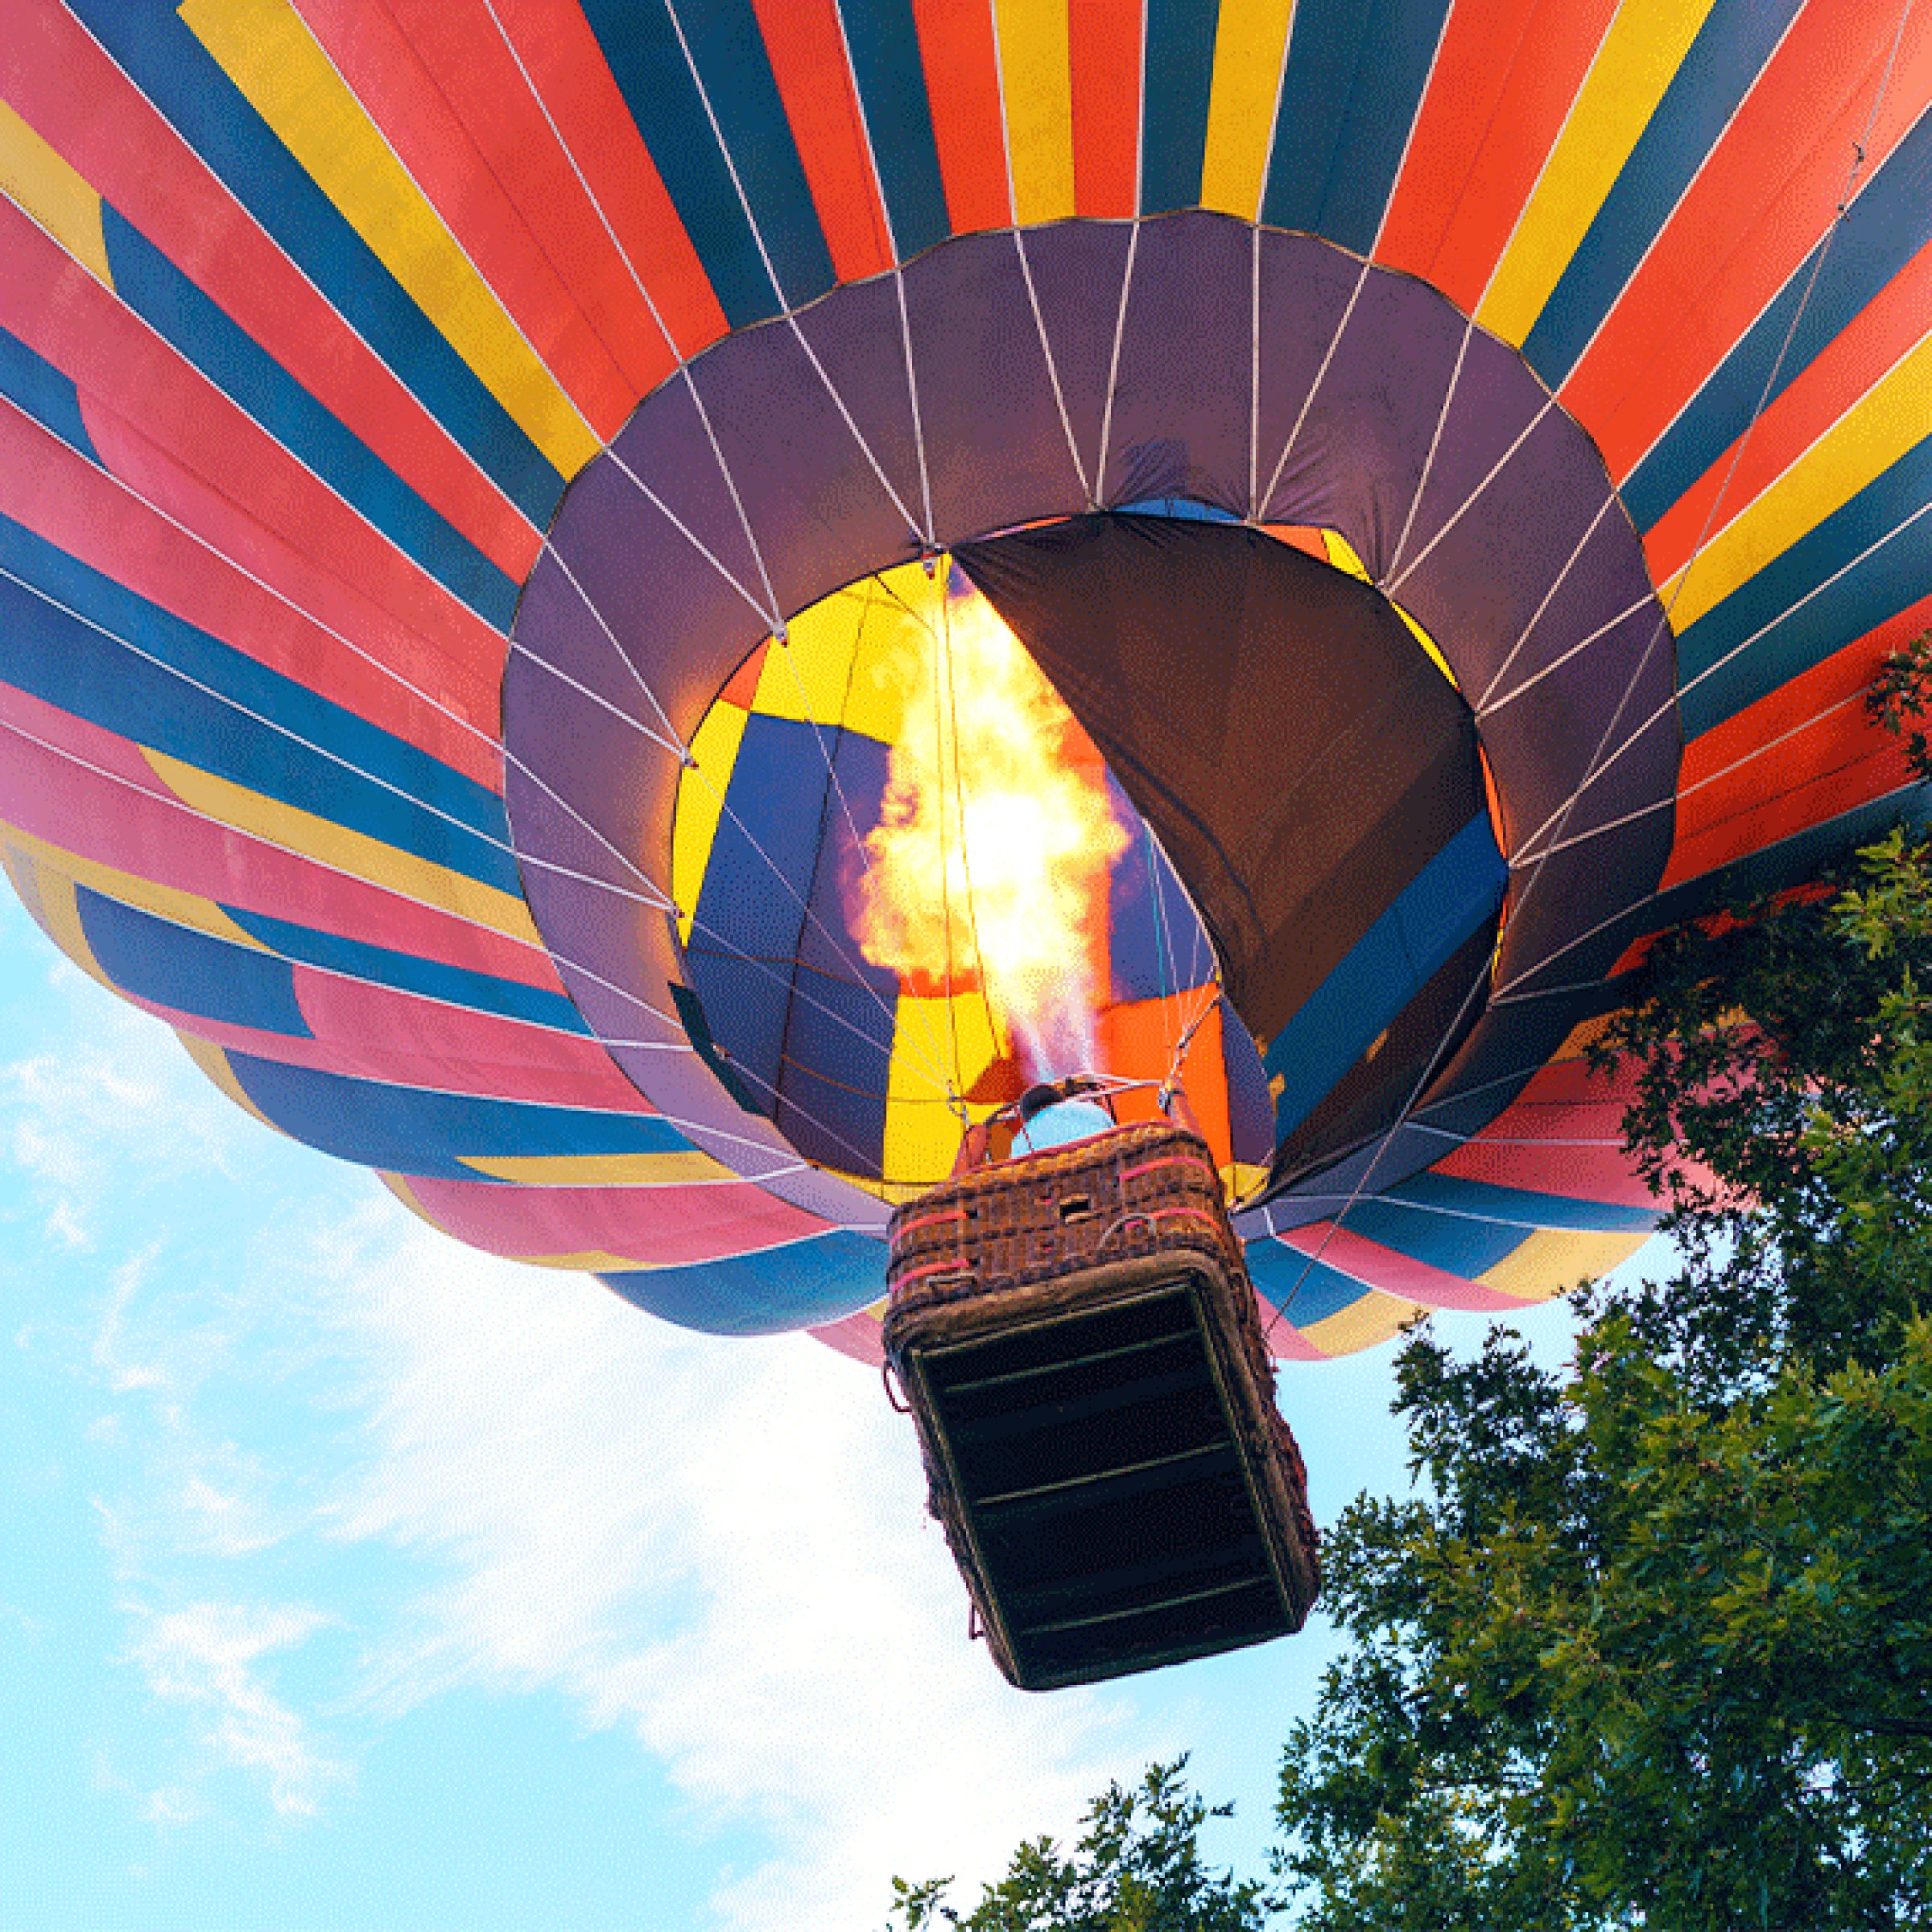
1341, 553
342, 850
144, 895
213, 1063
1638, 60
1374, 1319
1036, 87
694, 824
1249, 42
268, 52
593, 1260
1241, 1179
49, 897
36, 179
1555, 1260
1891, 417
807, 677
921, 1130
678, 1169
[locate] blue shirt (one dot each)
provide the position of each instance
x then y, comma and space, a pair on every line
1061, 1124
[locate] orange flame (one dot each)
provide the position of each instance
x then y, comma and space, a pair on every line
989, 864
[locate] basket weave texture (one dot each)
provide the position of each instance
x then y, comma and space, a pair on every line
1021, 1240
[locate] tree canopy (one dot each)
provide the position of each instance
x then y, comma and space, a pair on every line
1650, 1643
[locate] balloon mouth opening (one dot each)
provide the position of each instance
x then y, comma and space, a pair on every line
912, 892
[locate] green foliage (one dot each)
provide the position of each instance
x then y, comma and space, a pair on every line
1137, 1867
1654, 1646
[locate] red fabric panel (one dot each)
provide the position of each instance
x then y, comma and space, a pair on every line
1584, 1173
61, 311
60, 496
1376, 1266
961, 61
54, 75
380, 1034
47, 793
1104, 55
1892, 323
668, 1227
858, 1337
1766, 197
807, 52
561, 55
1800, 755
1504, 77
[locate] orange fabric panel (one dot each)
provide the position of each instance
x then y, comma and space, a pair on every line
561, 53
1504, 78
1764, 198
1801, 754
960, 57
814, 80
1882, 331
1105, 38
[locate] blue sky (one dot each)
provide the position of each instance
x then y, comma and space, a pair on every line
349, 1579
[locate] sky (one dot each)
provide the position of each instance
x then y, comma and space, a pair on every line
351, 1579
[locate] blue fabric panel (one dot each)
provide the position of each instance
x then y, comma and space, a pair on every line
1156, 944
409, 1130
189, 971
1791, 628
1736, 39
64, 659
777, 1289
1435, 913
1461, 1247
238, 366
883, 42
838, 1056
640, 45
1250, 1109
1886, 227
848, 809
744, 1004
165, 60
36, 386
1302, 1288
1179, 70
1525, 1207
1354, 78
407, 972
757, 881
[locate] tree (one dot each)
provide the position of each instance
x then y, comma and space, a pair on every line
1650, 1644
1137, 1867
1654, 1645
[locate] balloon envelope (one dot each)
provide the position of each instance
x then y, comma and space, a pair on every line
1460, 462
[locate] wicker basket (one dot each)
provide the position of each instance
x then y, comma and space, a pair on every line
1079, 1342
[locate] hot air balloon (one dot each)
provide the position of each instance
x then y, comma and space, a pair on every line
488, 488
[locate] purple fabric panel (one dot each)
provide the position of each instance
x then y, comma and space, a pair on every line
1354, 463
994, 444
859, 343
1078, 270
1495, 409
817, 508
1180, 425
680, 621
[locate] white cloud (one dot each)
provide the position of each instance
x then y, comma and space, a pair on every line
206, 1656
722, 1545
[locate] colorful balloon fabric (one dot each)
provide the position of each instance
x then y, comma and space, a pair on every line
480, 479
